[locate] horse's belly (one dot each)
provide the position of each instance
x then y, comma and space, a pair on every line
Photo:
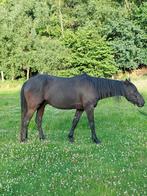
65, 103
62, 105
62, 98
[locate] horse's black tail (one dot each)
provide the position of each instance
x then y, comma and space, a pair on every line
23, 102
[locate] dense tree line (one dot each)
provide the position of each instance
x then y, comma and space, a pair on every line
68, 37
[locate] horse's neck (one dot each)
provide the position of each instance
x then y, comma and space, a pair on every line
109, 88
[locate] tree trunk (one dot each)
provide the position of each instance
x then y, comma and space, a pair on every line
28, 73
2, 76
12, 72
61, 19
127, 5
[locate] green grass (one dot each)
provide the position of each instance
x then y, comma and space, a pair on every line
55, 167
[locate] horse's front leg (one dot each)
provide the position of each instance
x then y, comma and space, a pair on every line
74, 124
90, 115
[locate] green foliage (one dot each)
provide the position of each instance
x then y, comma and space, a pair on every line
22, 40
139, 16
90, 53
69, 37
127, 39
51, 55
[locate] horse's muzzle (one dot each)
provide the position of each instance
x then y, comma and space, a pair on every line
141, 104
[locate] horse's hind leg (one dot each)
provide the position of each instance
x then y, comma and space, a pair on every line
38, 120
74, 124
24, 126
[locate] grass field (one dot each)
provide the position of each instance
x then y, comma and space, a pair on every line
118, 166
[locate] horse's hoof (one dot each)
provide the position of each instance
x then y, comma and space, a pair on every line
96, 141
42, 137
23, 140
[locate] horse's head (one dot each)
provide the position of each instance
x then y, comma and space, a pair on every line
132, 94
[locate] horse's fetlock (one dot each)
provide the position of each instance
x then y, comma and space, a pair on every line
96, 140
42, 137
71, 138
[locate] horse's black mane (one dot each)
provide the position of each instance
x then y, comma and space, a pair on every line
106, 87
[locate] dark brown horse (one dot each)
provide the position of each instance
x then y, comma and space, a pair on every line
81, 93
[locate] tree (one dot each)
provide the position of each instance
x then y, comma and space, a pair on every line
127, 40
26, 43
68, 37
90, 53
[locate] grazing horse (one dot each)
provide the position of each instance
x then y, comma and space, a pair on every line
80, 92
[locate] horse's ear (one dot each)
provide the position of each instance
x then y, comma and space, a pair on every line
127, 81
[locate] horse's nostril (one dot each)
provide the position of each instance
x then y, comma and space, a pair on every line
141, 104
